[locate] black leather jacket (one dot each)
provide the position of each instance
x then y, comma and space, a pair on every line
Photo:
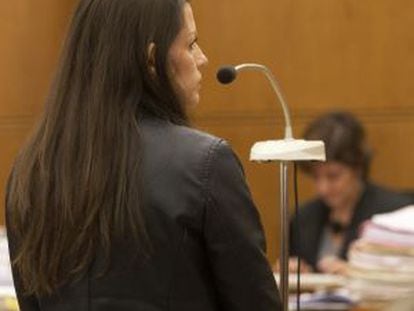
208, 247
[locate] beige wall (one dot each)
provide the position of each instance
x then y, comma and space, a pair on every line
343, 54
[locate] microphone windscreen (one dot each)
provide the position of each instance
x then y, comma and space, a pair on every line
226, 74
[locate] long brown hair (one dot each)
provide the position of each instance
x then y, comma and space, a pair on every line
73, 188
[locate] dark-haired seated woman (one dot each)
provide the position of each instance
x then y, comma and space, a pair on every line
346, 197
116, 204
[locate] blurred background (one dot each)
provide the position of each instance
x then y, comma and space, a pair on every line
327, 55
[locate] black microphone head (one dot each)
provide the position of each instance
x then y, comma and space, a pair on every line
226, 74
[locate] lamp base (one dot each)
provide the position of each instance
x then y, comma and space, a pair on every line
288, 150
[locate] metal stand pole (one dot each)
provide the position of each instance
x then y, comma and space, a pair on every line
284, 235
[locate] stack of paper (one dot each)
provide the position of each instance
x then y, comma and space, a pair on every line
382, 261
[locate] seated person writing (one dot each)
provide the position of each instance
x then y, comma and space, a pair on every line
345, 196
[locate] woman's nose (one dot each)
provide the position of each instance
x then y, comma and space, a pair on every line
202, 59
323, 187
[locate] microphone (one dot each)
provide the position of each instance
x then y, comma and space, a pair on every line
227, 74
285, 151
288, 149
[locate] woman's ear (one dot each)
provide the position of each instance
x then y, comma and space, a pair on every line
151, 59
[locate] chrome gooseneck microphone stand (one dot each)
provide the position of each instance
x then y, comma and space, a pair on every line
284, 151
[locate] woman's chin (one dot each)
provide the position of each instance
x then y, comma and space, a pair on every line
192, 103
333, 203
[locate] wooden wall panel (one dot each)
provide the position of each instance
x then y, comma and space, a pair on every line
344, 53
31, 33
328, 55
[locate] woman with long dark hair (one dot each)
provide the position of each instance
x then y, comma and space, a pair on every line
115, 203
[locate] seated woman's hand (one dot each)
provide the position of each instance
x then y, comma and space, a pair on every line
293, 266
333, 265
